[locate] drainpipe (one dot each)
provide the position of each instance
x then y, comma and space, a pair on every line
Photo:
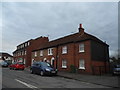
57, 57
74, 57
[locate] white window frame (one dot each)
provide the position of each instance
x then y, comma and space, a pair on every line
24, 61
82, 47
22, 52
35, 54
41, 52
25, 44
28, 43
50, 51
64, 49
25, 52
81, 64
64, 64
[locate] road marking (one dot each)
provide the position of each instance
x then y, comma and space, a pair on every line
28, 85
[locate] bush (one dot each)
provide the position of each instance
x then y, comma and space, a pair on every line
72, 69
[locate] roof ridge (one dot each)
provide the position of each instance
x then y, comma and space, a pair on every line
76, 37
64, 37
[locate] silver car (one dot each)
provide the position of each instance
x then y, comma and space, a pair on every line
4, 64
116, 70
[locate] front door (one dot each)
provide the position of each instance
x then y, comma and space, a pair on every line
52, 61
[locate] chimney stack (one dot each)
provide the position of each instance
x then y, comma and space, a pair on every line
81, 29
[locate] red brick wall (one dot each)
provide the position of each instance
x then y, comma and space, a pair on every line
45, 55
73, 56
69, 57
34, 44
100, 67
86, 56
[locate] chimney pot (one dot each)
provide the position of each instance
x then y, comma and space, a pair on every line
81, 29
80, 25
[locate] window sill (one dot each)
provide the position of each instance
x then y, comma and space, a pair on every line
50, 54
81, 51
64, 67
64, 53
82, 68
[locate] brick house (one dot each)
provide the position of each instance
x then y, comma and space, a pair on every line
24, 50
82, 50
6, 57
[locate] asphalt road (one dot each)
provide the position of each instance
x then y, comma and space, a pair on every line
23, 79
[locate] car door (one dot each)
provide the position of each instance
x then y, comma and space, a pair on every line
34, 67
38, 66
13, 65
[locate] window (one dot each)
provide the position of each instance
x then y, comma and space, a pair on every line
22, 52
41, 53
20, 46
50, 51
28, 43
18, 53
81, 48
25, 52
64, 64
25, 44
81, 64
35, 54
64, 50
24, 61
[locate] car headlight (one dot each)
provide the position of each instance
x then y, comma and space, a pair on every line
47, 69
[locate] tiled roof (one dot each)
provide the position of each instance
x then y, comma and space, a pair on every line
5, 54
77, 37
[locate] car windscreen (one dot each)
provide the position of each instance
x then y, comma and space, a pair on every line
3, 62
14, 63
45, 64
20, 63
117, 66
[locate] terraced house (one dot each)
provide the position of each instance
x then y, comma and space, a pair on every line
85, 52
24, 50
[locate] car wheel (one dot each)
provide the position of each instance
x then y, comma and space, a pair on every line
31, 71
41, 73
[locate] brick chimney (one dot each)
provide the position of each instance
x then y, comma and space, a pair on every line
81, 29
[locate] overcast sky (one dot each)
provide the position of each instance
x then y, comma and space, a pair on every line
23, 21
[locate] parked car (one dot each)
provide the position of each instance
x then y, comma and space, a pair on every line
17, 65
116, 70
43, 68
3, 64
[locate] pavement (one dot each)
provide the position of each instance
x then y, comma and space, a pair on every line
105, 80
